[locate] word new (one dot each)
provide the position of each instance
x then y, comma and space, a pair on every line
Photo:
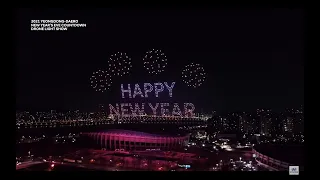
147, 88
136, 109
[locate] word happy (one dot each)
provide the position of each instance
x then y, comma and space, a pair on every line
143, 91
148, 88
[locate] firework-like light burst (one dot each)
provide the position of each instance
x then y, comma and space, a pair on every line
119, 64
193, 75
155, 61
101, 81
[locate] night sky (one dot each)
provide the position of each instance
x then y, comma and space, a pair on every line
253, 57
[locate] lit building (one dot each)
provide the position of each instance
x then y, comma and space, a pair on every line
224, 123
102, 112
265, 121
243, 123
298, 126
133, 140
288, 125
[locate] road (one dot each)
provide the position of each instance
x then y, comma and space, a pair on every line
266, 166
27, 164
92, 166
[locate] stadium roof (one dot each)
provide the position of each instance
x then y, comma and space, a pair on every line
138, 133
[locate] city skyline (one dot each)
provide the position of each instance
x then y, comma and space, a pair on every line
262, 121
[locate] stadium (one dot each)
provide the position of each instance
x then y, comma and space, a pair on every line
137, 141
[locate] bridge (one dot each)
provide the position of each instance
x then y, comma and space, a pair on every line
271, 163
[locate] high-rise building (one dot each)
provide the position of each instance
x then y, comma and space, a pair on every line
299, 124
276, 125
102, 112
244, 123
224, 124
264, 117
288, 125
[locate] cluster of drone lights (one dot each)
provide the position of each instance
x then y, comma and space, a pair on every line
119, 65
101, 80
193, 75
154, 61
145, 91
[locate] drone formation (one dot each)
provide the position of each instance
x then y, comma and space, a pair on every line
119, 64
154, 61
193, 75
101, 81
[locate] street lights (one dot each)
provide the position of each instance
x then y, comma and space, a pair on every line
29, 153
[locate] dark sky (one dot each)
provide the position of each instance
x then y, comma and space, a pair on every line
253, 57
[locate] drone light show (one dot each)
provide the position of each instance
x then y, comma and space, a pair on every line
119, 64
144, 91
100, 80
193, 75
155, 61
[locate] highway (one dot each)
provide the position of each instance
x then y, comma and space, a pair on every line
266, 166
102, 167
92, 166
27, 164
